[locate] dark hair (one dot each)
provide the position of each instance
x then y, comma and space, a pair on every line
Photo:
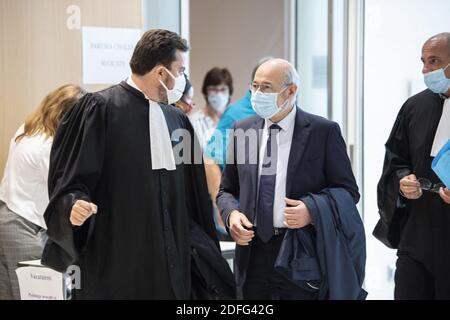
217, 76
157, 46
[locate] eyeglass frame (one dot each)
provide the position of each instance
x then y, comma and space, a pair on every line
430, 187
254, 87
220, 88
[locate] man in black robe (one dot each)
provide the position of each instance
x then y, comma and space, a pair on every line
120, 206
414, 219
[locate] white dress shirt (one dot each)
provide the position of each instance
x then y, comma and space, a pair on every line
24, 186
284, 141
443, 130
160, 142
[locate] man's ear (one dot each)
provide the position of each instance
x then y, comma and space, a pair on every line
292, 90
158, 71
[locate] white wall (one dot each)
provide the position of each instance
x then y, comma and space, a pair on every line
234, 34
395, 33
312, 55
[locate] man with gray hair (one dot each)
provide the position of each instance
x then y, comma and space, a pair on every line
413, 203
299, 154
215, 151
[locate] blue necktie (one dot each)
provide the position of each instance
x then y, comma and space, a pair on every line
267, 186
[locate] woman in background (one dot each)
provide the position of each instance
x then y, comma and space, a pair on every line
217, 90
23, 190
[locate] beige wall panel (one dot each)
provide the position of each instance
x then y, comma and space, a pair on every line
39, 53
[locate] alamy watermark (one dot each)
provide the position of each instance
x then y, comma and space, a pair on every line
73, 21
237, 147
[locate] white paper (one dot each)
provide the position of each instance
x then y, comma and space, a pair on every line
227, 246
35, 263
40, 283
107, 53
443, 131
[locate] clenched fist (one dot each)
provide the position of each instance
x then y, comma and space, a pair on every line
410, 187
241, 229
296, 215
81, 211
445, 195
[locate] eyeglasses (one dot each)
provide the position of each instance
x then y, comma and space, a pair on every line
218, 89
265, 88
427, 185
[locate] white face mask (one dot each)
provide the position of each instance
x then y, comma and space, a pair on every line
175, 94
219, 101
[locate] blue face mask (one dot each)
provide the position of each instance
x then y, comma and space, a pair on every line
219, 101
437, 81
266, 105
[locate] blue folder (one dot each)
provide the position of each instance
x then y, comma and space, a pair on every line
441, 165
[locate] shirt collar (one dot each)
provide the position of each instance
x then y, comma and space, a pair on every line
443, 96
287, 122
447, 103
132, 84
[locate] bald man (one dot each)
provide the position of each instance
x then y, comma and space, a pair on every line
414, 204
261, 198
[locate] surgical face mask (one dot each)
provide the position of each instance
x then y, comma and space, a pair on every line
175, 94
437, 81
266, 105
219, 101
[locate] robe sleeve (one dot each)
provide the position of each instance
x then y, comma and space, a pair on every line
397, 165
197, 194
76, 164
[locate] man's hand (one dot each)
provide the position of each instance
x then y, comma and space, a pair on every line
296, 214
410, 187
240, 228
445, 195
81, 211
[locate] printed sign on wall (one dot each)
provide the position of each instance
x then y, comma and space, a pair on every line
107, 53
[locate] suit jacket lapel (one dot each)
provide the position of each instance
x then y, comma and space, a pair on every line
300, 138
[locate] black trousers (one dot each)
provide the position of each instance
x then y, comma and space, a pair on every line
263, 282
412, 280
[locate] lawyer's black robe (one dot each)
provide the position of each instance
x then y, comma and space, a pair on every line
137, 245
422, 227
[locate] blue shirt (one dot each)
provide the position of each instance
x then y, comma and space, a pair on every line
217, 145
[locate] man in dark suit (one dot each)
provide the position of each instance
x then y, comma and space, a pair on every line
284, 155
